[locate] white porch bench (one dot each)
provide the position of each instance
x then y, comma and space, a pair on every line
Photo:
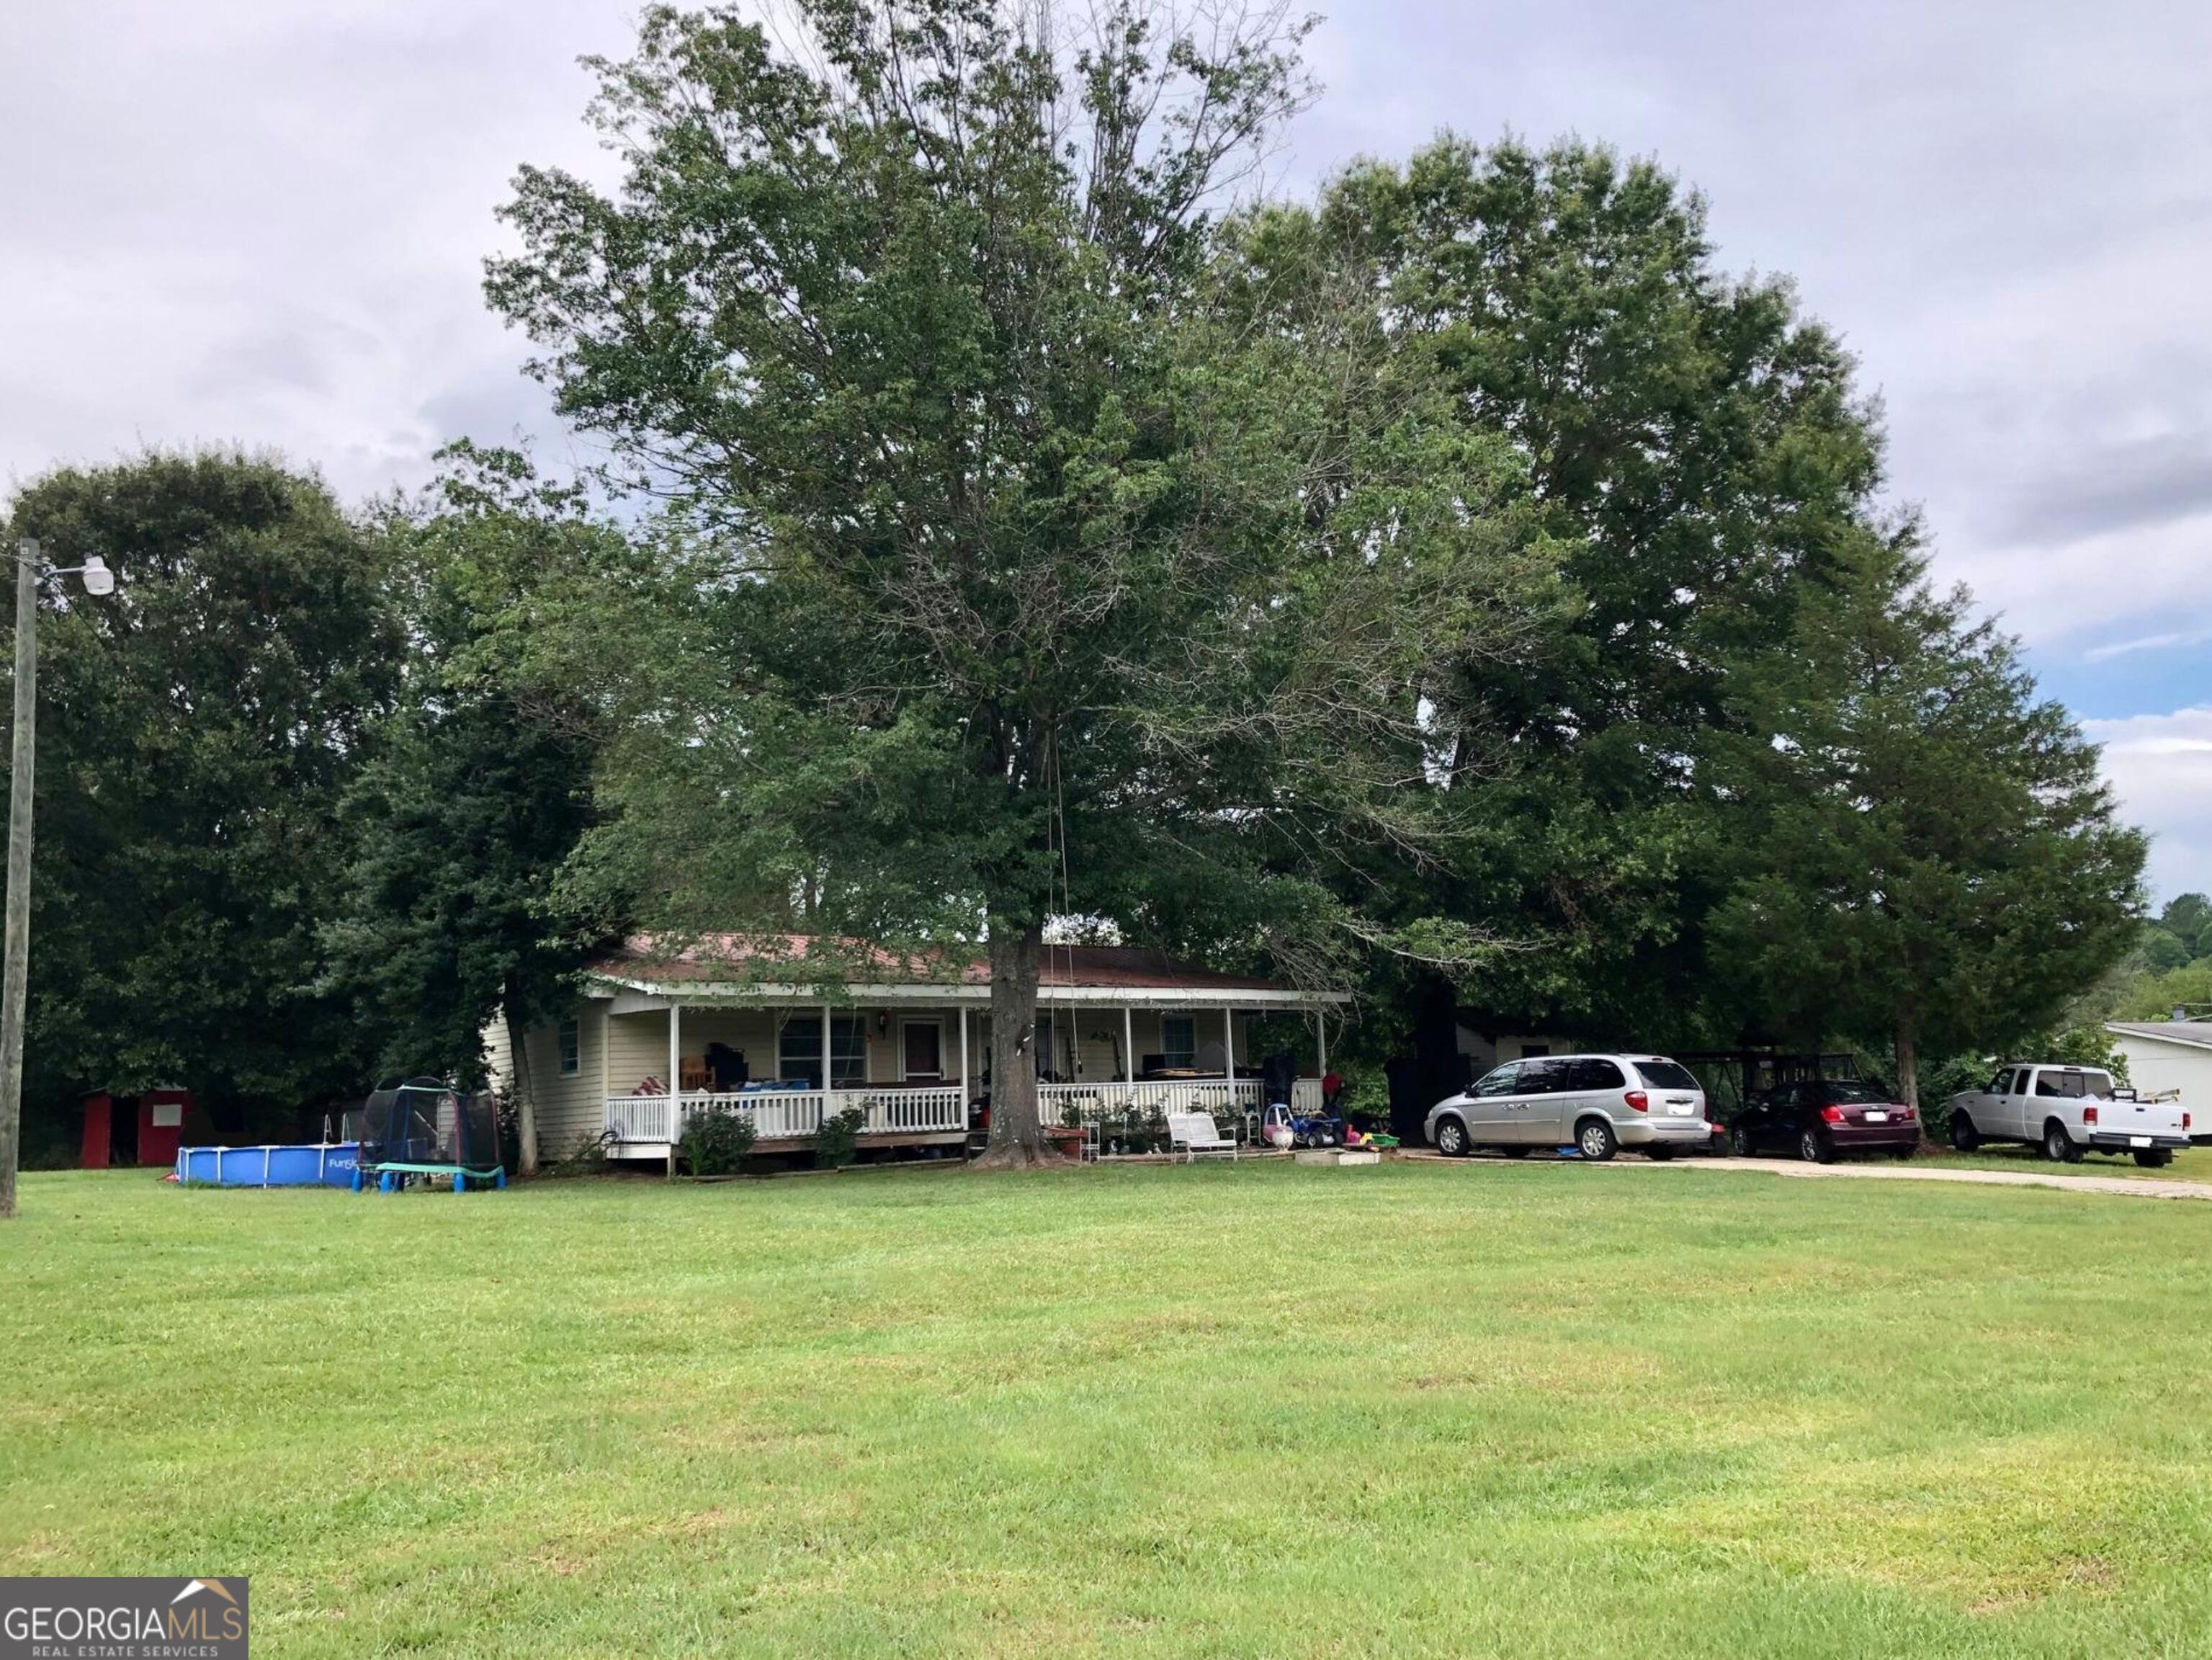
1191, 1134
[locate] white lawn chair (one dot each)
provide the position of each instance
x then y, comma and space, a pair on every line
1191, 1134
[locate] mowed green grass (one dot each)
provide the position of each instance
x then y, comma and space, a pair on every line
1426, 1409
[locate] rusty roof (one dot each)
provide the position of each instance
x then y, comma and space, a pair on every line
798, 958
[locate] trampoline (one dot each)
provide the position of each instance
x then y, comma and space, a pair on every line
422, 1132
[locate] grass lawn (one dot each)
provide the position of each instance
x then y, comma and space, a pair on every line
1444, 1409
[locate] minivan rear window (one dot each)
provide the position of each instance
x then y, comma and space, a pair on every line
1666, 1075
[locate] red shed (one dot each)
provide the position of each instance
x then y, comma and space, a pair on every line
135, 1129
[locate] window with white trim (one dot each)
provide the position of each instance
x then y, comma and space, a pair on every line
569, 1038
798, 1050
1178, 1041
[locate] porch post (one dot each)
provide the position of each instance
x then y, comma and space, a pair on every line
963, 1064
825, 1061
675, 1079
1229, 1054
1320, 1027
1129, 1055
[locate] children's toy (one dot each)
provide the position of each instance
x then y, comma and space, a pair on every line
420, 1131
1283, 1127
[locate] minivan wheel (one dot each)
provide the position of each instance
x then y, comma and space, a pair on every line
1451, 1138
1595, 1141
1812, 1149
1964, 1136
2059, 1146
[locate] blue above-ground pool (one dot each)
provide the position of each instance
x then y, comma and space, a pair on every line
320, 1164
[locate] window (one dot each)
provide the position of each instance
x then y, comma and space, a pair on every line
568, 1037
1531, 1051
1595, 1074
1544, 1078
1852, 1094
2072, 1084
798, 1050
1665, 1074
1499, 1079
1179, 1040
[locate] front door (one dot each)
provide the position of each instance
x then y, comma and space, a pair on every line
924, 1052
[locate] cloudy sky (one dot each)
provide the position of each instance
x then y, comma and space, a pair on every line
261, 221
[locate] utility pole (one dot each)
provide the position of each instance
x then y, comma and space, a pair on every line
15, 981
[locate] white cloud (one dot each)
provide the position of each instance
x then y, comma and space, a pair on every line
2140, 580
261, 221
2146, 643
2161, 768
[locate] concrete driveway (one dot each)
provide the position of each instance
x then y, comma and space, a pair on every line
1887, 1171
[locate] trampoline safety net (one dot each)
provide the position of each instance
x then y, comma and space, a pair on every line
422, 1122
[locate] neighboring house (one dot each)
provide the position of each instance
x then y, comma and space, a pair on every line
1486, 1046
2171, 1055
905, 1040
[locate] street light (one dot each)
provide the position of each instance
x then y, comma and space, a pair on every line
97, 581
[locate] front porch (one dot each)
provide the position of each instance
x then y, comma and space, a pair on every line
914, 1069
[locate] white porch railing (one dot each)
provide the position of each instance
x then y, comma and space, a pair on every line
794, 1114
1157, 1097
789, 1114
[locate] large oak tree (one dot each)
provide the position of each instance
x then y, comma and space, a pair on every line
1043, 562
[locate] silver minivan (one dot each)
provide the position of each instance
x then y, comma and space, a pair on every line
1598, 1104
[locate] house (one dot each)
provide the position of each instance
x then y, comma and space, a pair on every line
741, 1022
2170, 1054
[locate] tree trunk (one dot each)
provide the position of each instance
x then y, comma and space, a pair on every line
526, 1107
1018, 1138
1908, 1068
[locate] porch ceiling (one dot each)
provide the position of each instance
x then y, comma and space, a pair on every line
636, 996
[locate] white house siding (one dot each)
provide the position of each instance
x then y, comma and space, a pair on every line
570, 1107
2159, 1064
499, 1058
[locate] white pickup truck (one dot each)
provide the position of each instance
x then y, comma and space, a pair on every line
2068, 1111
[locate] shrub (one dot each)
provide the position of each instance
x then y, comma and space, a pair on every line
837, 1143
716, 1141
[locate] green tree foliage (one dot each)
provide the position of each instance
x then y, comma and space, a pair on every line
1925, 850
1697, 447
1041, 568
2188, 921
197, 734
482, 787
2161, 950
